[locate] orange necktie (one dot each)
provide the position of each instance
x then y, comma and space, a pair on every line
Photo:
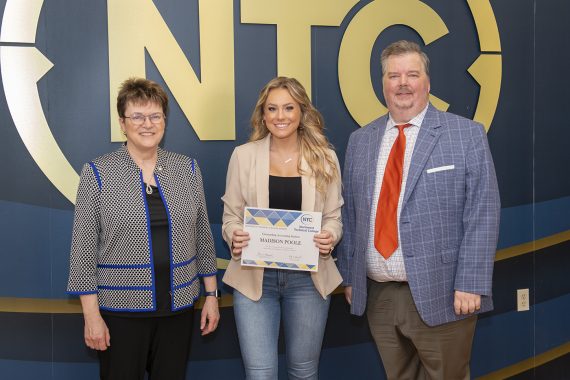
386, 224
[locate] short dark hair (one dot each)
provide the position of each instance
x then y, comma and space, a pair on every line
141, 91
400, 48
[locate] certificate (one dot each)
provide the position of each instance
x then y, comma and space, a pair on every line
281, 239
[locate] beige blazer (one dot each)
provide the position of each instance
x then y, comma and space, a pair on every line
247, 184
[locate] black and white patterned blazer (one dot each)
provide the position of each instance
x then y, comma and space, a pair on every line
111, 251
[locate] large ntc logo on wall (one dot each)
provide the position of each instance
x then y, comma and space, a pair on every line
210, 100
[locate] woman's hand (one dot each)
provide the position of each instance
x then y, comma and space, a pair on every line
324, 242
240, 239
96, 333
210, 315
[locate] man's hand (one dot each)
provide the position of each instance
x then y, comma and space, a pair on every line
466, 303
348, 294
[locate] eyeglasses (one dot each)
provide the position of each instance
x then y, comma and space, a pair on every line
139, 118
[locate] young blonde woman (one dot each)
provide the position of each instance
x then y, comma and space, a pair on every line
287, 164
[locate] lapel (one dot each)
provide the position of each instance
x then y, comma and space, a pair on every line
133, 168
374, 139
123, 153
161, 169
308, 185
427, 138
262, 172
262, 178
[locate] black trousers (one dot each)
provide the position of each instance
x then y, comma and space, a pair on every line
157, 345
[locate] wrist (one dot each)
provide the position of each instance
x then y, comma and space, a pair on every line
92, 317
214, 293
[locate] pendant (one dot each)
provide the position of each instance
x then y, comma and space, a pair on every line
148, 189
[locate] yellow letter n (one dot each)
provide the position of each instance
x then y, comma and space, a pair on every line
208, 103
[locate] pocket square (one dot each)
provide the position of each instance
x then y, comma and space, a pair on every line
440, 169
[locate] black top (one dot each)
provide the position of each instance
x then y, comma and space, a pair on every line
285, 192
161, 259
160, 250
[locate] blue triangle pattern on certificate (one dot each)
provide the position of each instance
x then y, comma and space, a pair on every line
277, 264
273, 214
296, 214
251, 221
258, 212
291, 216
273, 217
277, 218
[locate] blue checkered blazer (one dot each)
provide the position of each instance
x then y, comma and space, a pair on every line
449, 220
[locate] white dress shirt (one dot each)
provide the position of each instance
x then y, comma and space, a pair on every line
391, 269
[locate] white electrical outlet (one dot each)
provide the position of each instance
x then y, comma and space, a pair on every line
523, 302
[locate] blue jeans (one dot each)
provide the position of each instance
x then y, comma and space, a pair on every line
291, 296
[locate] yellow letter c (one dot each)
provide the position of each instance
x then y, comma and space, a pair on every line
356, 50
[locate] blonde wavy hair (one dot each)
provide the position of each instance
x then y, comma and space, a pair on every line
313, 144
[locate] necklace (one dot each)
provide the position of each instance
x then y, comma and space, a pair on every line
284, 155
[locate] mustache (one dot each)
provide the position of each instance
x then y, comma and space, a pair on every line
403, 90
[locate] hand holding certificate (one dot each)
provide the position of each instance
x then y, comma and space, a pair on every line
281, 239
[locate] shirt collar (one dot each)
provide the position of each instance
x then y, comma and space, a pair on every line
416, 121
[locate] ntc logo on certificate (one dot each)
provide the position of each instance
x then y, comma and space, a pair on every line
281, 239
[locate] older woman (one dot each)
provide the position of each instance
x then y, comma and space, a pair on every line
288, 164
141, 240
